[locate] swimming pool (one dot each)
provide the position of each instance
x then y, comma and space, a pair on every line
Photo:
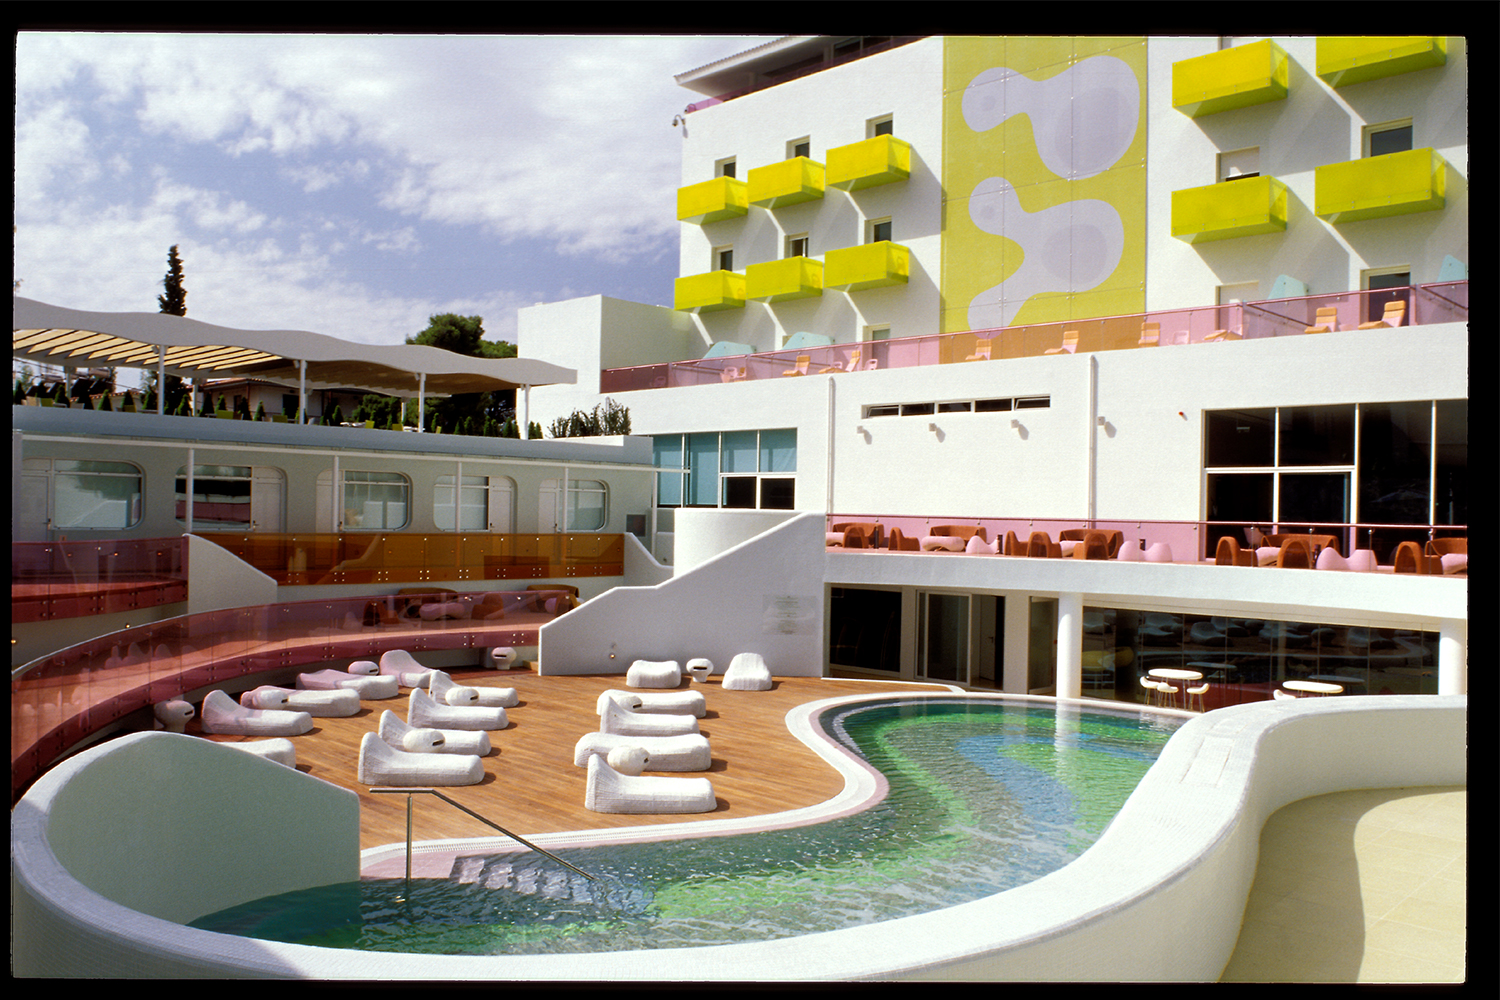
980, 796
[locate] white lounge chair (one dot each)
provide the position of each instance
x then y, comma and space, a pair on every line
280, 750
688, 752
400, 664
339, 704
444, 689
173, 714
747, 672
609, 791
1161, 552
382, 764
222, 715
654, 674
394, 732
372, 688
666, 703
616, 718
424, 713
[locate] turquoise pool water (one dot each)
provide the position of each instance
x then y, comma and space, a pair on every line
985, 796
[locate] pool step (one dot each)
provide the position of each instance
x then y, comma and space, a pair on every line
530, 875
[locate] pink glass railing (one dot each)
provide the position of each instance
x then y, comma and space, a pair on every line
51, 580
1189, 541
62, 699
1426, 305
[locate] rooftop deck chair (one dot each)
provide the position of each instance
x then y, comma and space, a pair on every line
1069, 343
747, 672
1410, 558
1131, 552
1395, 314
982, 348
340, 704
1161, 552
1150, 335
279, 750
611, 790
665, 703
1295, 553
461, 741
425, 713
1041, 546
616, 718
800, 368
1229, 553
1360, 560
898, 542
731, 374
400, 664
976, 545
443, 689
860, 534
851, 365
1093, 545
1222, 336
688, 752
382, 764
221, 715
1452, 555
654, 674
372, 687
1012, 545
1327, 320
951, 537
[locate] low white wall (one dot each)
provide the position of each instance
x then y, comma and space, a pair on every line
703, 533
219, 579
112, 849
764, 595
641, 567
1159, 897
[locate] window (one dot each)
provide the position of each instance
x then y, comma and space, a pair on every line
880, 331
1239, 163
585, 508
961, 406
1033, 402
878, 230
884, 125
865, 629
481, 504
84, 495
232, 498
1389, 137
723, 259
375, 501
1388, 284
799, 147
796, 246
746, 469
724, 168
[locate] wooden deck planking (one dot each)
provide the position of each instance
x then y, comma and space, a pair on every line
531, 785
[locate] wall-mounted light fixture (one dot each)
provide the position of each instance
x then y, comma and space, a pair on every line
932, 427
1014, 422
1100, 421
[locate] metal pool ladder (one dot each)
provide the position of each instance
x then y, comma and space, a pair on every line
409, 792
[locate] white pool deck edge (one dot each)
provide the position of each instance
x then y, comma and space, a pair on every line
1159, 897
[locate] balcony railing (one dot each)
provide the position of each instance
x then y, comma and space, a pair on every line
1426, 305
325, 559
1188, 541
50, 580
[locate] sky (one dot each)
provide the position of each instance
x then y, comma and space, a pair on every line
351, 185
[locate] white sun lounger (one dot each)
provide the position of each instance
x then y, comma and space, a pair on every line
616, 718
222, 715
688, 752
666, 703
747, 672
654, 674
400, 664
372, 688
424, 713
394, 732
279, 750
609, 791
339, 704
382, 764
445, 690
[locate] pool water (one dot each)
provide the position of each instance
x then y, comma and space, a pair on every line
985, 795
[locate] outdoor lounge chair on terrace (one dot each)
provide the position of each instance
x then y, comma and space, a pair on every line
616, 718
425, 713
400, 664
609, 791
221, 715
654, 674
747, 672
1229, 553
687, 752
1327, 320
463, 741
373, 688
1150, 335
665, 703
800, 368
851, 365
982, 348
1041, 546
1395, 312
443, 689
279, 750
382, 764
1452, 554
1069, 343
339, 704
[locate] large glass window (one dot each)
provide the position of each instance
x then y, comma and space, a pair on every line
375, 501
865, 629
587, 504
221, 497
469, 509
746, 469
90, 495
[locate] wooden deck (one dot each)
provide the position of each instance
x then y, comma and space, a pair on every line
531, 785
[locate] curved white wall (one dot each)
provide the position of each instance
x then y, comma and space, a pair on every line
1158, 898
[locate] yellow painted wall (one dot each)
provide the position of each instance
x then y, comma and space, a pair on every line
1044, 174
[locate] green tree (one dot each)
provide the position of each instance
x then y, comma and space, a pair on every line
172, 302
465, 335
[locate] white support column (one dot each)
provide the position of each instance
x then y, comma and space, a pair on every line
187, 528
1070, 645
422, 403
1453, 656
525, 412
161, 379
302, 392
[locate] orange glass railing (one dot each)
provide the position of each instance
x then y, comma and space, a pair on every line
349, 557
1425, 305
51, 580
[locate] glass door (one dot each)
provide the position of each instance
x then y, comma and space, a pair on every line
943, 637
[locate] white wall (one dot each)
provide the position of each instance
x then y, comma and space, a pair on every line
763, 596
219, 579
832, 108
1314, 125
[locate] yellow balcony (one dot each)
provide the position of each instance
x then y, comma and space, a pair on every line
786, 183
881, 160
870, 265
709, 292
712, 201
1342, 61
783, 280
1380, 186
1248, 207
1232, 78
